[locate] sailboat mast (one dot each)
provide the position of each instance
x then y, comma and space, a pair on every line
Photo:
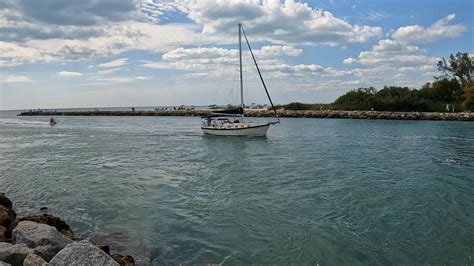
240, 71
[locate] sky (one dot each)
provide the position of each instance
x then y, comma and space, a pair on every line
110, 53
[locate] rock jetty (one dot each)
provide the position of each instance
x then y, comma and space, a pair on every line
43, 239
462, 116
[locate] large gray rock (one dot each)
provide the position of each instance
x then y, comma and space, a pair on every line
4, 201
124, 260
49, 219
82, 253
44, 239
34, 260
14, 254
7, 216
3, 234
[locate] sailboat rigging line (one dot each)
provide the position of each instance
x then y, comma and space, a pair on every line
258, 70
231, 95
216, 91
240, 65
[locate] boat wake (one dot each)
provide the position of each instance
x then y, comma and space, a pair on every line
9, 121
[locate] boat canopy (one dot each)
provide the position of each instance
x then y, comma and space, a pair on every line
212, 115
225, 112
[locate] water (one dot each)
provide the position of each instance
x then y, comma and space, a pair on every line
313, 191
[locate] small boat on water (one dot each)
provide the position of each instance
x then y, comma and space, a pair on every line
230, 122
52, 122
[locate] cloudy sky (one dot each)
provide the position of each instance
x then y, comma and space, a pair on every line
97, 53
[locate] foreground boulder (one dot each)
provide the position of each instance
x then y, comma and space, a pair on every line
38, 238
124, 260
56, 222
82, 253
7, 216
104, 248
7, 220
6, 202
34, 260
45, 240
3, 234
14, 254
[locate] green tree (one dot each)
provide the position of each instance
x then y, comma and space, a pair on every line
443, 90
468, 103
359, 99
459, 66
298, 106
396, 99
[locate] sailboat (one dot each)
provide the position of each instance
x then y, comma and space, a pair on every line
231, 122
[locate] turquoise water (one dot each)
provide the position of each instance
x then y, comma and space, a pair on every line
313, 191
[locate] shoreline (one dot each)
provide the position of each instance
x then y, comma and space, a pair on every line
335, 114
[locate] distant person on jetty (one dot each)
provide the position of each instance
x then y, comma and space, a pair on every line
133, 109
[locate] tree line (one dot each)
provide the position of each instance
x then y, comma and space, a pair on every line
454, 88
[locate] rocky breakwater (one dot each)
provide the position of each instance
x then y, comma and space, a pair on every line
43, 239
116, 113
364, 115
466, 116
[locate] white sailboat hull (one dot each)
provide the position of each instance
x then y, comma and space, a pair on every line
254, 130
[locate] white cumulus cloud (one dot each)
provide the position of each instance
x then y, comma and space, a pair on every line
69, 74
416, 34
212, 57
284, 22
14, 78
119, 37
349, 61
394, 54
278, 50
403, 53
115, 63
